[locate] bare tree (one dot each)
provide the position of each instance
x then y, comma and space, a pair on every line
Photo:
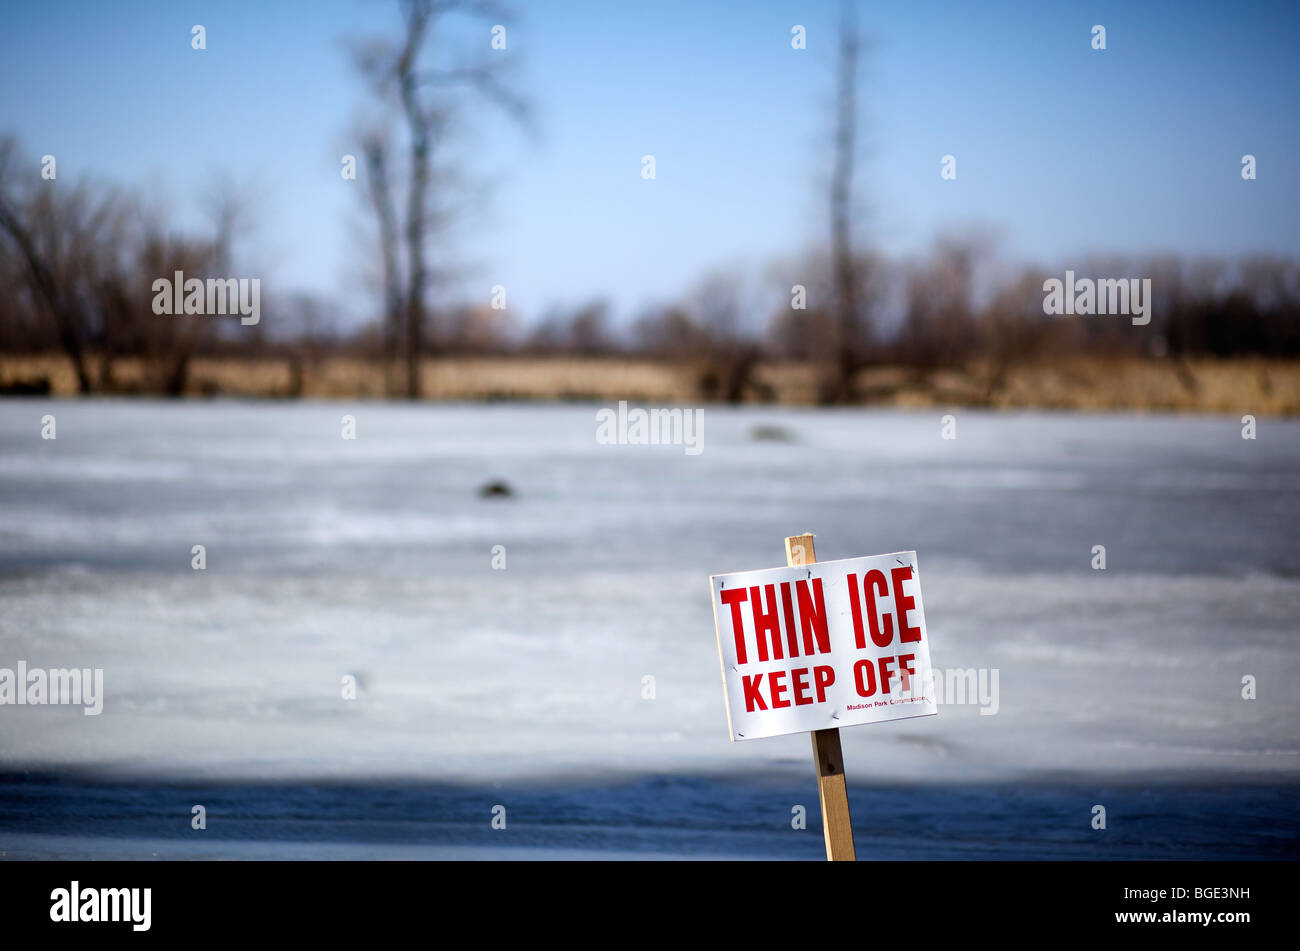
88, 257
166, 345
940, 322
54, 237
426, 100
724, 305
376, 150
851, 323
670, 332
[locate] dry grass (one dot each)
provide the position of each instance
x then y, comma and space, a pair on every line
1257, 386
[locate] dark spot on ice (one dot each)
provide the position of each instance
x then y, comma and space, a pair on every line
767, 432
495, 489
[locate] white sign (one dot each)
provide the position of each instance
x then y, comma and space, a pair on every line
822, 645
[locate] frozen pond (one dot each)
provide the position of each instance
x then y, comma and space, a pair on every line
374, 558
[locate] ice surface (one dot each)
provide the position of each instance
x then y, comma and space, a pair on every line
373, 557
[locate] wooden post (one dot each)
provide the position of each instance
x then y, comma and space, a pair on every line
827, 759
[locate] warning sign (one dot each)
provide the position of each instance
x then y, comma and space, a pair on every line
823, 645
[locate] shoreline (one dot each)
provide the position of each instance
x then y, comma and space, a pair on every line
1255, 386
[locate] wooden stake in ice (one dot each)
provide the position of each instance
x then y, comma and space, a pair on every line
827, 759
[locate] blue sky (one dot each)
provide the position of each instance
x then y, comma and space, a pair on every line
1062, 149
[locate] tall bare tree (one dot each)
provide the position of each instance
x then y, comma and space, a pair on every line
376, 150
427, 100
851, 322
